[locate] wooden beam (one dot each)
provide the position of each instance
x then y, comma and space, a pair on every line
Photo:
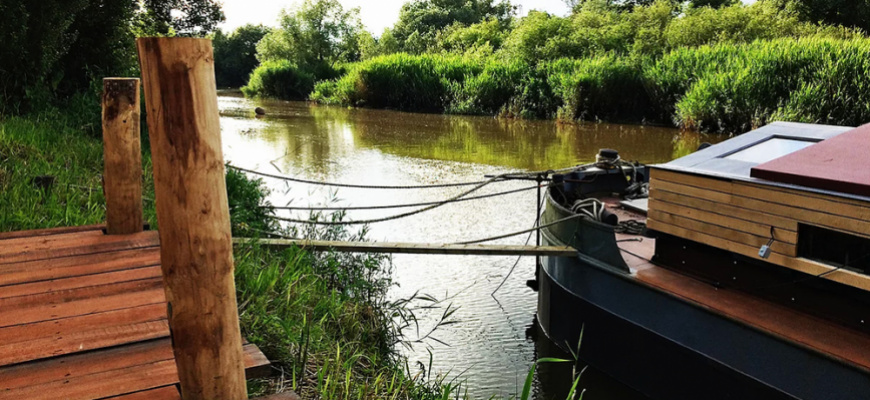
415, 248
193, 214
122, 156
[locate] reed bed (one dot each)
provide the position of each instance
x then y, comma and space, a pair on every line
724, 87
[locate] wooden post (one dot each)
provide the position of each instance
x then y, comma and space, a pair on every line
193, 216
122, 176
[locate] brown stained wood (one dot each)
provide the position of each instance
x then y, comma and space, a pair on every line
847, 277
782, 224
192, 210
81, 323
727, 221
46, 312
122, 156
795, 214
73, 266
785, 249
136, 367
78, 365
161, 393
828, 205
817, 334
414, 248
80, 282
50, 231
66, 296
74, 342
98, 385
81, 244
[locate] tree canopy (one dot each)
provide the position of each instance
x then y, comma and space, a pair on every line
235, 54
421, 20
314, 32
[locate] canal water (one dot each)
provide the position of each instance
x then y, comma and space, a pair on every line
493, 344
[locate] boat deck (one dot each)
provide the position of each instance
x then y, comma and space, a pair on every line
83, 316
840, 343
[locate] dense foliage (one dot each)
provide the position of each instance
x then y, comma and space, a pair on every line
713, 65
235, 54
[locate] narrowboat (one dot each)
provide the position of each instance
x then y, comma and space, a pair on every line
740, 271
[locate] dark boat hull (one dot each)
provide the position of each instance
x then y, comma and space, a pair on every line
668, 348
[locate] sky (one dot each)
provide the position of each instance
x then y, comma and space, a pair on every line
375, 14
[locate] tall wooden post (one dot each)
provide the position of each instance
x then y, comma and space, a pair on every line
122, 176
193, 216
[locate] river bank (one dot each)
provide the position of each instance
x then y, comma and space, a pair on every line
724, 87
331, 338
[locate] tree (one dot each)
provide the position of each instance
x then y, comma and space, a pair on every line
428, 17
711, 3
183, 17
315, 32
849, 13
53, 48
235, 55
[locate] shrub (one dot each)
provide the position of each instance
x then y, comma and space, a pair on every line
280, 79
606, 87
734, 87
400, 81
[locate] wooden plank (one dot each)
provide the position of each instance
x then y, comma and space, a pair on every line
64, 246
726, 233
794, 326
161, 393
133, 368
148, 294
59, 327
781, 235
829, 205
49, 231
66, 296
40, 270
414, 248
79, 282
82, 364
101, 384
796, 214
843, 276
724, 209
75, 342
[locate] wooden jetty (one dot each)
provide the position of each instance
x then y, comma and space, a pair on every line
119, 312
83, 316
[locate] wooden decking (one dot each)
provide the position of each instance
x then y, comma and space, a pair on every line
837, 342
83, 316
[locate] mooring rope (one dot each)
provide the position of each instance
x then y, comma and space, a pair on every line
355, 186
428, 203
494, 178
489, 239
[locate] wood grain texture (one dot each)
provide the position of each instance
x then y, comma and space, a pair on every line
122, 156
196, 243
415, 248
698, 208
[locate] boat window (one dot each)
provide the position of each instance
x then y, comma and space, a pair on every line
770, 149
834, 248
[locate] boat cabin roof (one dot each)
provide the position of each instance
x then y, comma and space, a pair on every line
791, 155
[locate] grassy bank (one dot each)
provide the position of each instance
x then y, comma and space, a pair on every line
727, 87
323, 319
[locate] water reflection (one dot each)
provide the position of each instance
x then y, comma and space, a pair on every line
387, 147
314, 135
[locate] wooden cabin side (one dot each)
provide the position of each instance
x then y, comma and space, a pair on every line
737, 216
